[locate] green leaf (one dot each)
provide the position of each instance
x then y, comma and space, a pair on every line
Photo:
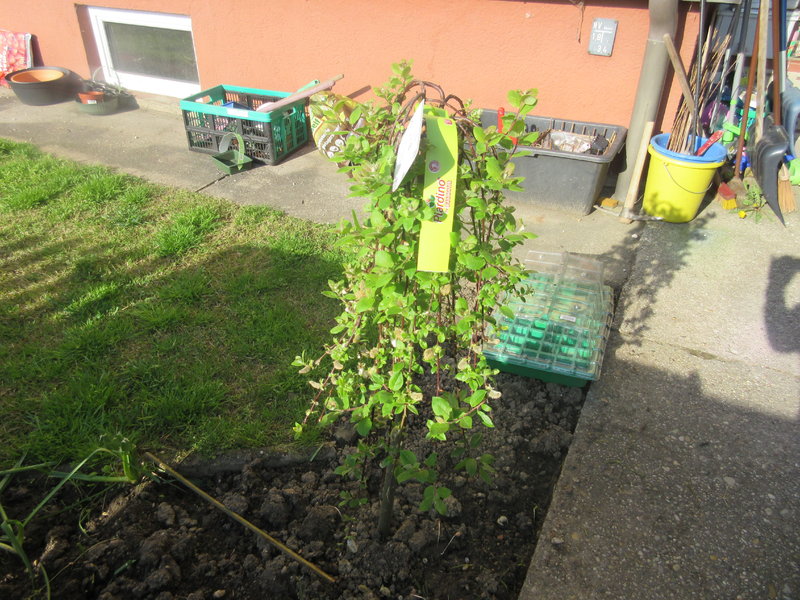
365, 304
384, 202
476, 398
493, 168
471, 261
407, 474
465, 422
479, 133
383, 397
355, 115
489, 273
438, 428
507, 312
407, 457
441, 407
427, 498
471, 466
514, 98
464, 326
364, 426
396, 381
439, 505
378, 280
485, 419
384, 259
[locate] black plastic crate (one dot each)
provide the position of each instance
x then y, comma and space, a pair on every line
269, 137
566, 181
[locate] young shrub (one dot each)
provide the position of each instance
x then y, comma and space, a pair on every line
400, 325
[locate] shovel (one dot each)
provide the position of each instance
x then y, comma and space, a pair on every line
773, 141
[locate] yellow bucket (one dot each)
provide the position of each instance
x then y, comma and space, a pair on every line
677, 183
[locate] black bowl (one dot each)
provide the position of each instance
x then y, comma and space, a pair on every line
39, 86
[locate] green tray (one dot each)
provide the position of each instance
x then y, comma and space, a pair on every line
232, 161
558, 332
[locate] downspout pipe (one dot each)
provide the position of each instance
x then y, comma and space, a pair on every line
663, 19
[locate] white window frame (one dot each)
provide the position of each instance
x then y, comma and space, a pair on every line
135, 81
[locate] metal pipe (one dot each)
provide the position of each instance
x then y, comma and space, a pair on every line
663, 19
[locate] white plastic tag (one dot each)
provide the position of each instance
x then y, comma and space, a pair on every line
409, 147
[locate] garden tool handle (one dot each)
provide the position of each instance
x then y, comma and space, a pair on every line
626, 216
746, 109
680, 72
299, 95
777, 74
709, 142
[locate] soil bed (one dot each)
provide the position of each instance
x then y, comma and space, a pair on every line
160, 541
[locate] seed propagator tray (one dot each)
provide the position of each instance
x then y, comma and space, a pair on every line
560, 326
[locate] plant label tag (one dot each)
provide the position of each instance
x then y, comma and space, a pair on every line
439, 192
409, 146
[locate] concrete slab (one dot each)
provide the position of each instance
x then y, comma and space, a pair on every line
723, 287
683, 477
677, 486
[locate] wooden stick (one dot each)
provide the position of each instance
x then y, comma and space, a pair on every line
236, 517
680, 72
777, 74
737, 166
325, 85
633, 189
761, 81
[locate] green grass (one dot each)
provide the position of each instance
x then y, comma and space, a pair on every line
161, 316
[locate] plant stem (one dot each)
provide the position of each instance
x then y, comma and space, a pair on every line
389, 486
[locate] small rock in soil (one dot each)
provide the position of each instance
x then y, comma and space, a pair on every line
319, 523
236, 502
165, 514
154, 547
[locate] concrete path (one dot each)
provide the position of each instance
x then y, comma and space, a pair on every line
683, 480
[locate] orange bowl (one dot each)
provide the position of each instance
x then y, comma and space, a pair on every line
38, 86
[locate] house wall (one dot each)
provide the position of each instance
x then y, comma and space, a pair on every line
478, 49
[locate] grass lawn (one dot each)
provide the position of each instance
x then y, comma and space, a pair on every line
154, 314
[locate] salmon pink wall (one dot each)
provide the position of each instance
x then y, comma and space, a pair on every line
477, 49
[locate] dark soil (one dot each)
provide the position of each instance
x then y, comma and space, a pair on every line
161, 541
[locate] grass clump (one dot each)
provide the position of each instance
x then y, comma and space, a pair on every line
161, 316
187, 230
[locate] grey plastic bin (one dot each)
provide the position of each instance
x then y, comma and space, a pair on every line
565, 181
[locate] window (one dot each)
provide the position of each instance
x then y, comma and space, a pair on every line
145, 51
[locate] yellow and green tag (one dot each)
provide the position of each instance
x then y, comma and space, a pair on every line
439, 192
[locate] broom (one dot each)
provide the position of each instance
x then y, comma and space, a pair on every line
736, 184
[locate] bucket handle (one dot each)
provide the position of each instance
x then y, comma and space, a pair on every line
666, 168
225, 143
